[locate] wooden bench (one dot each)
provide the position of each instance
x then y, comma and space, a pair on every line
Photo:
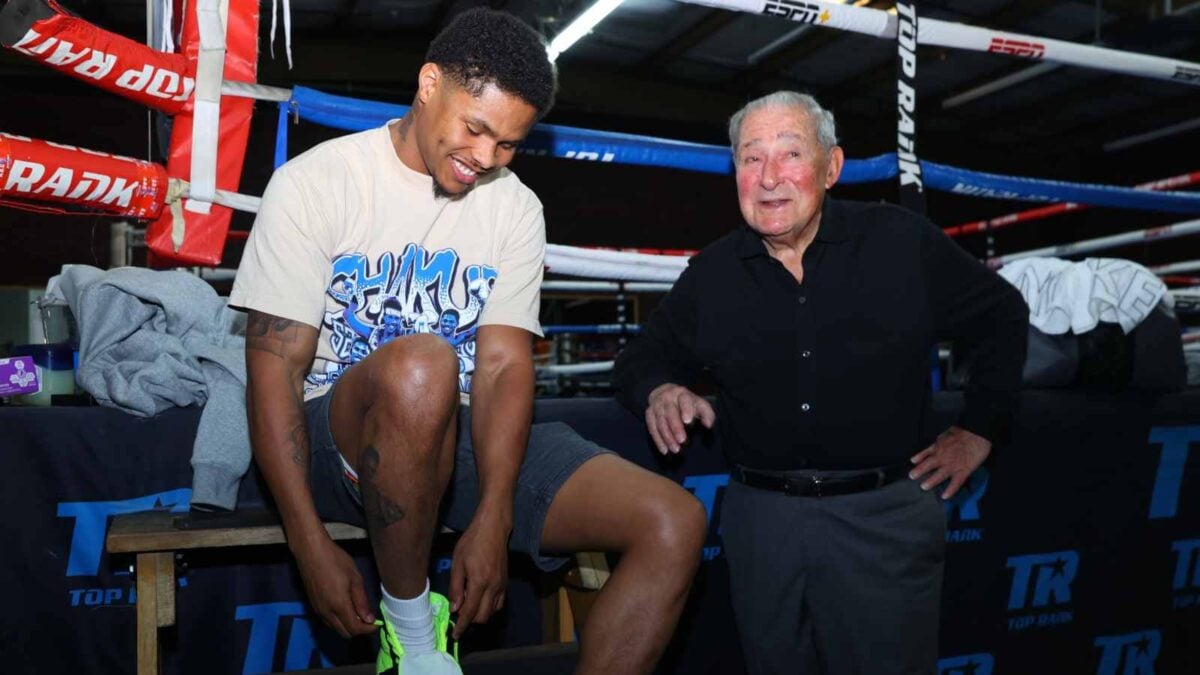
155, 537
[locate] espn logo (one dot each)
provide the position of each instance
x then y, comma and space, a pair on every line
801, 12
1187, 74
1027, 50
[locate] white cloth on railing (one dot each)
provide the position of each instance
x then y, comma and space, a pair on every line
1074, 296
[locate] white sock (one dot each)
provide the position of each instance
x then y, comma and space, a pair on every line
412, 620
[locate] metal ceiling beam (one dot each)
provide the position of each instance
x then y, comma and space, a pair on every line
1091, 135
607, 91
1016, 74
712, 21
1101, 85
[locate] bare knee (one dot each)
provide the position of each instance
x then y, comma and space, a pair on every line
414, 373
674, 526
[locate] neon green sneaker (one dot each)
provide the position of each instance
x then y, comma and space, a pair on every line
392, 660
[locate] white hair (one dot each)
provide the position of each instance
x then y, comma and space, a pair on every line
822, 118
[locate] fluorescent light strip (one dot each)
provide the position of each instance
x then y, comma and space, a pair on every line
1138, 139
581, 26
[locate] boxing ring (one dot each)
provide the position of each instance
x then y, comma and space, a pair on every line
47, 176
1066, 444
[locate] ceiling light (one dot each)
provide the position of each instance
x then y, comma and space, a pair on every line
996, 85
581, 26
1138, 139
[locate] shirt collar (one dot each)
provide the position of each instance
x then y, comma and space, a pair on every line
833, 226
832, 230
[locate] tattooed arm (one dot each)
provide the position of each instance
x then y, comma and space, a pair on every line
279, 353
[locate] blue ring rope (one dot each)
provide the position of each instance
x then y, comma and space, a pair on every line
351, 114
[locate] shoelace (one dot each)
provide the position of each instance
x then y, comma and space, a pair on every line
443, 639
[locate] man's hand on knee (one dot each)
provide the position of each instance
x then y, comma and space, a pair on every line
335, 587
672, 410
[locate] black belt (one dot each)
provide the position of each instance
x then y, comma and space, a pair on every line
820, 486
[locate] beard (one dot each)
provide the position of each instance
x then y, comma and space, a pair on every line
440, 192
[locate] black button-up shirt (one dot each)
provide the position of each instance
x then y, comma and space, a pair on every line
833, 372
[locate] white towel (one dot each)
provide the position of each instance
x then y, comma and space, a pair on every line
1068, 296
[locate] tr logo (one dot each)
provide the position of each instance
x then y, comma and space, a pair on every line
707, 489
91, 524
265, 622
966, 502
1187, 564
1049, 574
1168, 483
1129, 654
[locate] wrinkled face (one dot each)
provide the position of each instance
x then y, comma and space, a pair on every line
448, 324
782, 171
462, 136
359, 351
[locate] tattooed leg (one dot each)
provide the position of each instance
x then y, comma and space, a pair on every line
393, 417
381, 511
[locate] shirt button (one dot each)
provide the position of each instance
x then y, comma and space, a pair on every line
803, 299
805, 407
805, 354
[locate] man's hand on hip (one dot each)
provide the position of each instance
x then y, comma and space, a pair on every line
672, 410
954, 456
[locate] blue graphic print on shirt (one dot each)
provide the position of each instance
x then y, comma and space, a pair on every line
407, 293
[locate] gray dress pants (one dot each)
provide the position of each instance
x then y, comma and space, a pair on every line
843, 585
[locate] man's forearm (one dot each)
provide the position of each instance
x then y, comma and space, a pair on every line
501, 411
277, 355
279, 436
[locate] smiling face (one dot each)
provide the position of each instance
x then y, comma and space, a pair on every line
359, 350
460, 135
783, 171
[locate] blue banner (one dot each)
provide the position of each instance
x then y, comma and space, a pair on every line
1076, 551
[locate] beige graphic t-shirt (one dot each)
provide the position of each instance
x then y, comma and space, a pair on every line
353, 242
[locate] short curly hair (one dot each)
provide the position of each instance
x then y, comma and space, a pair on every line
482, 46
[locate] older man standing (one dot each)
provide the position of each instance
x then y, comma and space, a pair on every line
815, 321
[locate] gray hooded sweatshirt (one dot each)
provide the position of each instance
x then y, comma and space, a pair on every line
150, 340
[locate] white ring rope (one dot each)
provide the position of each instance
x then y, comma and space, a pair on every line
619, 265
1176, 268
623, 266
880, 24
260, 92
673, 263
557, 285
576, 368
1101, 243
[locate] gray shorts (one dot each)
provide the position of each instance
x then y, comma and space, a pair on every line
554, 452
